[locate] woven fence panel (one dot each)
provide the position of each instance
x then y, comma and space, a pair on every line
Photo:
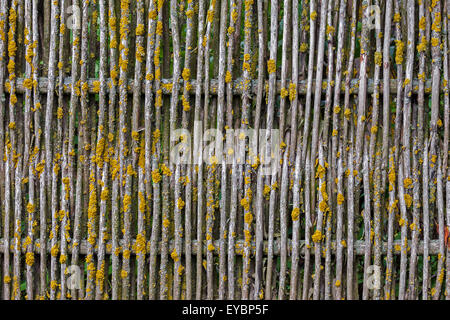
224, 149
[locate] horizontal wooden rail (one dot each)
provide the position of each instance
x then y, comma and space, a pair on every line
359, 247
166, 85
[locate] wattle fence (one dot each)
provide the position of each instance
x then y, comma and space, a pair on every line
224, 149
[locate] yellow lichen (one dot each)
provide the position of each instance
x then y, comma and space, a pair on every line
295, 214
317, 236
126, 202
399, 52
407, 182
180, 203
378, 58
139, 29
340, 198
29, 258
271, 66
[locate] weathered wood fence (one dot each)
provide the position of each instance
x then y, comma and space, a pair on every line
94, 92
